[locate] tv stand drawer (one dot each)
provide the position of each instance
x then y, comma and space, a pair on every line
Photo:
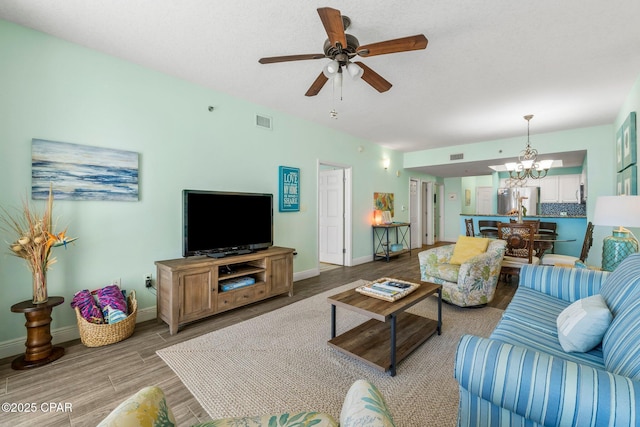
242, 296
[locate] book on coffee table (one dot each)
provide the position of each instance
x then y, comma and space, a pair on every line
387, 289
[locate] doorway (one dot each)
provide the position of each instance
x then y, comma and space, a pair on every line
484, 200
414, 213
432, 213
334, 214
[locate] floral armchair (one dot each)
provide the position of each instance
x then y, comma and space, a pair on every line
363, 405
471, 283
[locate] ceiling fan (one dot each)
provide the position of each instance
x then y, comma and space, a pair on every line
341, 48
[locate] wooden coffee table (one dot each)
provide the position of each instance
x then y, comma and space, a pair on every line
391, 334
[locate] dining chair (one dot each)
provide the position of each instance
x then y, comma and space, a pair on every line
488, 228
535, 222
468, 223
549, 229
520, 246
555, 259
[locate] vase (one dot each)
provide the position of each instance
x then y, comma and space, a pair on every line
40, 287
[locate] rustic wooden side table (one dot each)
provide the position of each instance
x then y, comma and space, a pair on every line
39, 350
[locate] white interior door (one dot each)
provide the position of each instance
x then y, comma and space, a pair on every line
331, 208
484, 200
428, 213
438, 212
414, 213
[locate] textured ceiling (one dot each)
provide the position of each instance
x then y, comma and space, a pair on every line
570, 63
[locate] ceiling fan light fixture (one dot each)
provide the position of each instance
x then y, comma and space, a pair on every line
331, 68
355, 71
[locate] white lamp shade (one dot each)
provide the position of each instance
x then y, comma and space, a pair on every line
331, 68
355, 71
511, 166
527, 164
544, 164
617, 211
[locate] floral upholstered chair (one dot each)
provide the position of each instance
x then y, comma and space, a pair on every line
363, 405
468, 278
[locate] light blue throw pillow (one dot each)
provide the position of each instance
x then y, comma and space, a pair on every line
582, 325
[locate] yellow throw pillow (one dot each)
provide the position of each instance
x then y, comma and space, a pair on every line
468, 247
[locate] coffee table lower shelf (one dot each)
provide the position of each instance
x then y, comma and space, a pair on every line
370, 342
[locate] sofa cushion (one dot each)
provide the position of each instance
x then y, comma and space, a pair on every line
365, 406
523, 335
621, 342
543, 317
582, 325
536, 329
569, 284
622, 287
467, 247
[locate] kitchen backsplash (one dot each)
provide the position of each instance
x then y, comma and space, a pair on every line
572, 209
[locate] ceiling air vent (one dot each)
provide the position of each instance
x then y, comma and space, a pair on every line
263, 122
456, 156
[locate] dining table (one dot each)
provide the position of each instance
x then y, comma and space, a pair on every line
541, 242
544, 242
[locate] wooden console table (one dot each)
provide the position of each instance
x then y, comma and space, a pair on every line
39, 350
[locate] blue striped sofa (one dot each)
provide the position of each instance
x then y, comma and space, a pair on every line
521, 376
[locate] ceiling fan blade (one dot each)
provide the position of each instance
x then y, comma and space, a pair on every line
332, 21
317, 85
392, 46
374, 79
274, 59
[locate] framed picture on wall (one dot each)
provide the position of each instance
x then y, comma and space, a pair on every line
630, 181
619, 154
629, 141
83, 172
619, 190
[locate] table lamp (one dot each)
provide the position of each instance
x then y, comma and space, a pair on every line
620, 212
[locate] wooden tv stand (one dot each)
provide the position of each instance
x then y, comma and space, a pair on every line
189, 288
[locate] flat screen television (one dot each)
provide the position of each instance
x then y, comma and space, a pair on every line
220, 223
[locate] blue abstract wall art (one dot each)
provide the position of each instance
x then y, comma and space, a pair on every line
82, 172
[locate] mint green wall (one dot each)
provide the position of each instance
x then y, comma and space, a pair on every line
470, 183
55, 90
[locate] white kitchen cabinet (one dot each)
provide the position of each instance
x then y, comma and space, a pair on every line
560, 189
569, 188
549, 189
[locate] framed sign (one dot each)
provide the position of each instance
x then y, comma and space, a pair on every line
289, 179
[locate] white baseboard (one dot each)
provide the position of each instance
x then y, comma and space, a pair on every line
15, 347
361, 260
301, 275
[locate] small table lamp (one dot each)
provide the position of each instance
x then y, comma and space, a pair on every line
620, 211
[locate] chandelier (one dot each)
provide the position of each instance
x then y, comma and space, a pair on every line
528, 166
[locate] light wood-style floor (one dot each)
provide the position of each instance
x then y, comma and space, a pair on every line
93, 381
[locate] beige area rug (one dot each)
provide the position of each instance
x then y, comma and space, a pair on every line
281, 362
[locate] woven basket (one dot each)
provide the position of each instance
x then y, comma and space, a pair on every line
94, 335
